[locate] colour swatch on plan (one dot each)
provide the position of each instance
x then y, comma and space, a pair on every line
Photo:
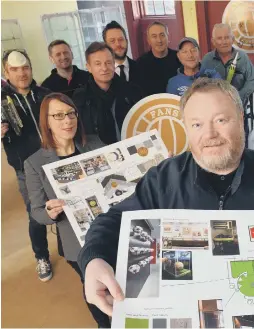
136, 323
159, 323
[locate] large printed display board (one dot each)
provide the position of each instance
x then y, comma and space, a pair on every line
186, 269
91, 182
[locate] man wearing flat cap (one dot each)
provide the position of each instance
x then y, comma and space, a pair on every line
21, 100
189, 55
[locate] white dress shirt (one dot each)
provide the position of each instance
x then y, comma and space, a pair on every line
126, 68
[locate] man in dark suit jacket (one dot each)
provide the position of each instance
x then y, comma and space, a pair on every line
114, 35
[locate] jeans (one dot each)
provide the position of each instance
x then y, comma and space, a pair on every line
101, 318
37, 232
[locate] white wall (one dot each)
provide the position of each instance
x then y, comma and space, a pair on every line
29, 13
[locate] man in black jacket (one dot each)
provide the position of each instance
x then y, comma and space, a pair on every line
65, 78
22, 139
115, 37
217, 174
106, 98
158, 65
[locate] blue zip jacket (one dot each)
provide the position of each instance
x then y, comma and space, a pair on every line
180, 83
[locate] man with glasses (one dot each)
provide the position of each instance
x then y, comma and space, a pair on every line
189, 56
21, 100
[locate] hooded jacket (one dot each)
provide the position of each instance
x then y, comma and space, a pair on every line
19, 148
180, 83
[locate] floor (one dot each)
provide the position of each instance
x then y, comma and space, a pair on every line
26, 301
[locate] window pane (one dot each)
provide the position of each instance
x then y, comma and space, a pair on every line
170, 7
149, 7
65, 27
156, 7
159, 7
11, 35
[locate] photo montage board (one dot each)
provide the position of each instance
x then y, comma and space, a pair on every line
185, 269
92, 182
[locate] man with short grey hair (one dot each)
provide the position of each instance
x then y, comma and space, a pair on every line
217, 174
232, 64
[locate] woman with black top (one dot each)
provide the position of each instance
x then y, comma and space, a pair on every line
62, 137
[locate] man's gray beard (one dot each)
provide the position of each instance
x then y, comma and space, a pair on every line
227, 161
117, 57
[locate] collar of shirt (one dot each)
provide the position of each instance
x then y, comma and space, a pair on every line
236, 180
126, 68
233, 54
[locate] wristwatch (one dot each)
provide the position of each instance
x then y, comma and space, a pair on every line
48, 208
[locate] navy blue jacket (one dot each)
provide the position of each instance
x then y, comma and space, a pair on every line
181, 82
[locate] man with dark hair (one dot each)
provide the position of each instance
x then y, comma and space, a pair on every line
106, 98
158, 65
115, 37
21, 99
65, 78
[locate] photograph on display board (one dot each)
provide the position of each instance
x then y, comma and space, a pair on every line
83, 218
224, 238
116, 185
182, 235
142, 149
65, 190
211, 313
68, 173
251, 233
94, 205
177, 265
143, 268
145, 166
115, 156
95, 165
181, 323
243, 321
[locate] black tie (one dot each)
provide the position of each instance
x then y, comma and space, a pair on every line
122, 73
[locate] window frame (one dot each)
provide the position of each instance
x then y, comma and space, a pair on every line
144, 15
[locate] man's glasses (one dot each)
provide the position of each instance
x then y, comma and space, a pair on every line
61, 115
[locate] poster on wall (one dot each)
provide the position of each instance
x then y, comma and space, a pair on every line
240, 16
185, 269
161, 112
92, 182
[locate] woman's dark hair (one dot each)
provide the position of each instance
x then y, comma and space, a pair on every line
47, 137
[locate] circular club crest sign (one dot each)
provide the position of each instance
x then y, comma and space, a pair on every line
240, 16
161, 112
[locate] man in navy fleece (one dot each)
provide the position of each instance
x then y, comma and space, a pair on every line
189, 56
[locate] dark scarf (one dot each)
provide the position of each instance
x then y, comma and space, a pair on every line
101, 106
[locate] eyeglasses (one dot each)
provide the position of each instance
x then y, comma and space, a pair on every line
61, 115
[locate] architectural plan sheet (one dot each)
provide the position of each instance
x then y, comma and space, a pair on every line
186, 269
91, 182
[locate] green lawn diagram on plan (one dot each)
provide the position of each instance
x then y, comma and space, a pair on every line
243, 271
